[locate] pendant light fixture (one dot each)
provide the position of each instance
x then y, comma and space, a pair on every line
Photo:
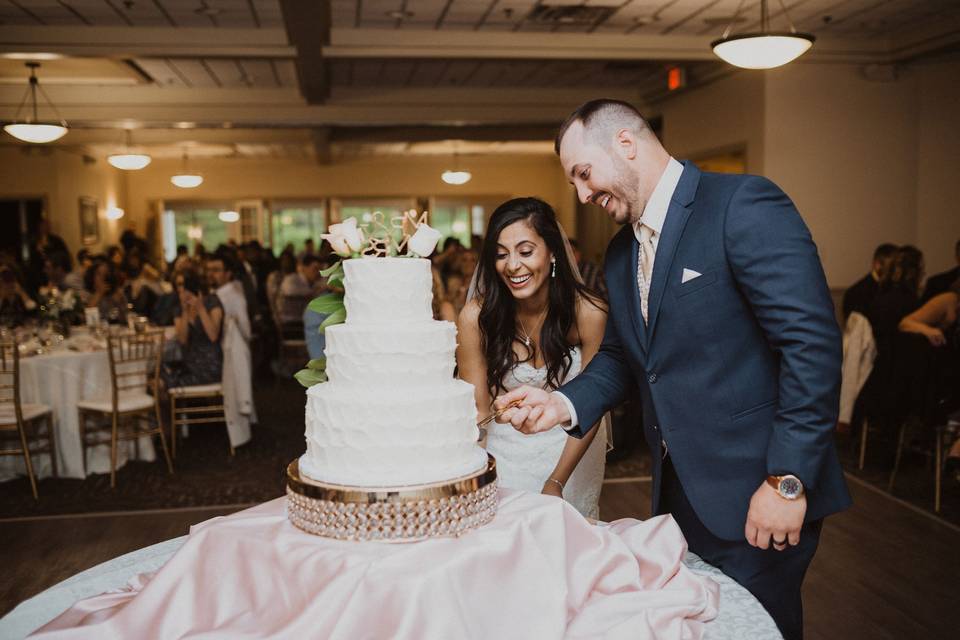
765, 49
33, 130
129, 161
456, 176
186, 179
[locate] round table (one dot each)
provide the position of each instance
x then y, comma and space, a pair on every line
60, 378
740, 615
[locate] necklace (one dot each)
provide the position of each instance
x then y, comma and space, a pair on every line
526, 339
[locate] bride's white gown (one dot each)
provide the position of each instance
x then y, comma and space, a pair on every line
526, 461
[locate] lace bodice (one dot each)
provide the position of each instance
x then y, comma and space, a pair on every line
526, 461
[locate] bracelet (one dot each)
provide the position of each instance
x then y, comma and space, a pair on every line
557, 481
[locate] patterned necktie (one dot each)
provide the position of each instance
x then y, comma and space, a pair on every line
645, 266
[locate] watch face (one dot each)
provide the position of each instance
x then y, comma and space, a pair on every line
790, 487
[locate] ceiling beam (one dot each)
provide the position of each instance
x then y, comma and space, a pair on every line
126, 42
491, 133
427, 44
322, 151
308, 26
155, 106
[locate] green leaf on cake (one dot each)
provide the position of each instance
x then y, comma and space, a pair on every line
309, 377
317, 364
327, 303
337, 317
334, 270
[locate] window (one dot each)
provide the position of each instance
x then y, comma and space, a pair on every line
295, 221
193, 223
463, 218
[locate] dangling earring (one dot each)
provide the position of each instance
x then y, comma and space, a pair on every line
553, 267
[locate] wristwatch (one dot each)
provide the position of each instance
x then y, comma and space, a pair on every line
789, 487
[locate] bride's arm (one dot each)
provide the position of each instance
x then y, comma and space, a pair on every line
591, 321
471, 364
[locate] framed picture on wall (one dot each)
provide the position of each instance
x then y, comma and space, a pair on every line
89, 222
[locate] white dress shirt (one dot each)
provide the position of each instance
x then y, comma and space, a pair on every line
654, 215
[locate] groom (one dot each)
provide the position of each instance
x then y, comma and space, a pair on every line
720, 314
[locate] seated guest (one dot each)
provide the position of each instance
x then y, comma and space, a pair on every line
315, 339
898, 297
938, 320
442, 307
15, 304
458, 282
298, 288
56, 268
74, 279
308, 249
143, 288
860, 295
197, 322
286, 264
942, 282
105, 293
590, 271
224, 277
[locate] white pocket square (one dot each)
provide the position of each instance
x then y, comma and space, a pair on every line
689, 274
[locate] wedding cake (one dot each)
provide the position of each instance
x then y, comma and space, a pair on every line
392, 450
391, 414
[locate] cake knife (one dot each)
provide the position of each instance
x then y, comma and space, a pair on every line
494, 416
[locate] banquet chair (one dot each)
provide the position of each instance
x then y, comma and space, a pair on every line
927, 386
134, 401
290, 337
184, 411
19, 418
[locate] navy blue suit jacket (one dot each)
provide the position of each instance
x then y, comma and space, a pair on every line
738, 369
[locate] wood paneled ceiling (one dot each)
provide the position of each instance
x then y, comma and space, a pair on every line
315, 73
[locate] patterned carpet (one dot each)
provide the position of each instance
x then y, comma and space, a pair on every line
205, 474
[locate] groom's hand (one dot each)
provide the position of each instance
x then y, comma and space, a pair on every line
538, 410
772, 519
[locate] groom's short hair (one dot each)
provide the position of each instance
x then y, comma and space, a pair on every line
603, 116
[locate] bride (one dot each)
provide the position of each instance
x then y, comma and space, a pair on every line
530, 320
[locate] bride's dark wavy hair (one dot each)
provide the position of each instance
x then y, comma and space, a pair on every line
498, 307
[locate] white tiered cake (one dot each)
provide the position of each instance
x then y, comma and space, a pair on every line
391, 414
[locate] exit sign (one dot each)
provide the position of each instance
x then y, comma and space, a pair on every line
676, 78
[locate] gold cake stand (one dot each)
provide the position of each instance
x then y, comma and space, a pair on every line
392, 514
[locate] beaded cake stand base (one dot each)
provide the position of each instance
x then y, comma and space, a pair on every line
392, 514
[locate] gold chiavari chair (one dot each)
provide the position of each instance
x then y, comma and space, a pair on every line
19, 418
133, 410
184, 411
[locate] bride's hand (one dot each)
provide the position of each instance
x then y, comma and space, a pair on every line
551, 488
538, 411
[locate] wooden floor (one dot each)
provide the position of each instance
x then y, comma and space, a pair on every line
883, 570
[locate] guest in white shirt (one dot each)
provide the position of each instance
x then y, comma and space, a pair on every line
225, 273
298, 288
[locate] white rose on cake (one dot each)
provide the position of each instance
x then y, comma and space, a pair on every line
424, 241
345, 238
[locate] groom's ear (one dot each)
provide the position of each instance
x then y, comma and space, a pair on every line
626, 144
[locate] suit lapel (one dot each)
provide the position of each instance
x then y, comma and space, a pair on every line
678, 213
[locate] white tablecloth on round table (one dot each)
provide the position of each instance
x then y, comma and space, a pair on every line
740, 614
60, 379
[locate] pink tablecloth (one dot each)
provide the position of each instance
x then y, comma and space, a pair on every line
539, 570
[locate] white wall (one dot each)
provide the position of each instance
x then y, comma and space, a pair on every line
61, 178
938, 152
845, 150
726, 114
